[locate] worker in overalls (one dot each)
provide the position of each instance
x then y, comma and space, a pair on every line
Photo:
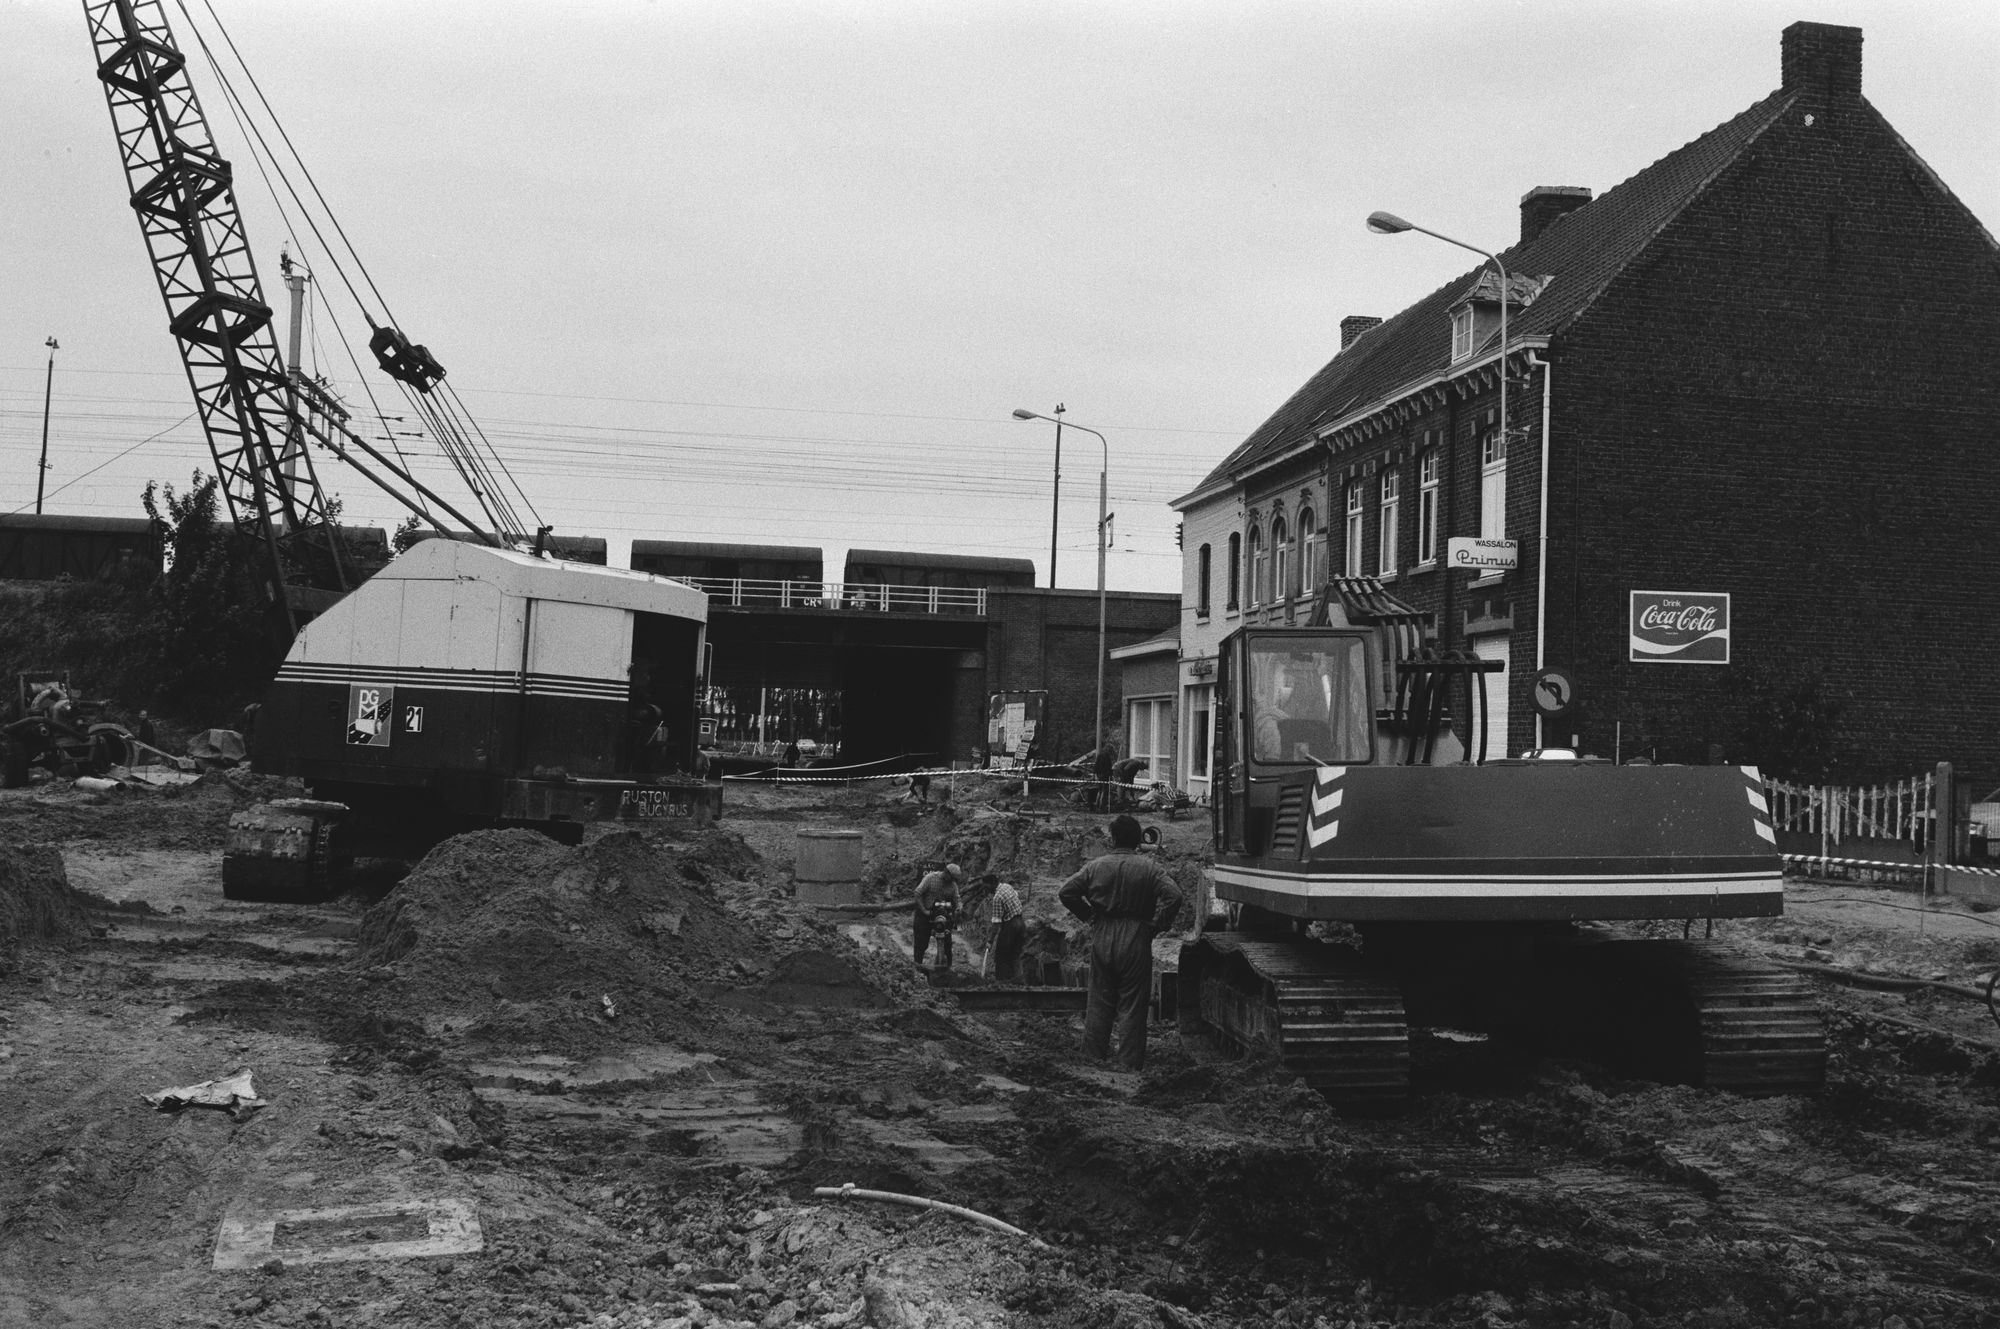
1128, 899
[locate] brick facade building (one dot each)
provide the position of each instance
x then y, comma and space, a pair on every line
1767, 366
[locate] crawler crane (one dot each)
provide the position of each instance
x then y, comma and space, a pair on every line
471, 683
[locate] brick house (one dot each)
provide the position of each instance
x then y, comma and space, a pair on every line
1765, 367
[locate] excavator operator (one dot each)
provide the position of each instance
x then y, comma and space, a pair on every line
1309, 706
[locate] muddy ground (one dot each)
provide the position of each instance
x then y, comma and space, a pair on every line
605, 1083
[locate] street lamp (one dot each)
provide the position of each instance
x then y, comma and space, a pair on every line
1055, 500
1388, 223
1103, 479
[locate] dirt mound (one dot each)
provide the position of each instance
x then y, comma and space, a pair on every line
36, 902
617, 930
621, 939
819, 978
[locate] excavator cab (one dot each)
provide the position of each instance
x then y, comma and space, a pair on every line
1291, 701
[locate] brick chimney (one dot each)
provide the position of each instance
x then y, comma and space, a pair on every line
1545, 203
1822, 59
1353, 326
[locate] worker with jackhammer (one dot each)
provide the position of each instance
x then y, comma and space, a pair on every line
1128, 899
936, 913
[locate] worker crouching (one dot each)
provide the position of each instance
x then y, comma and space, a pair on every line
1128, 900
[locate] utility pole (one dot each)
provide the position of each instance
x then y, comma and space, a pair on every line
1055, 506
295, 444
48, 393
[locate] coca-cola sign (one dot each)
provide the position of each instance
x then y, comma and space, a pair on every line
1680, 627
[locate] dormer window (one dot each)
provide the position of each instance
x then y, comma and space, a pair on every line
1461, 332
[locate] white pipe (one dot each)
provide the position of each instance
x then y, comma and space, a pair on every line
1542, 538
852, 1192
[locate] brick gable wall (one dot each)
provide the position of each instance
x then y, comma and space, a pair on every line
1794, 396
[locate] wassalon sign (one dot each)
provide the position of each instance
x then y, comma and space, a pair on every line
1680, 627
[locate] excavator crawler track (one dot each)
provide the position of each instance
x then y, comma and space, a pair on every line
1707, 1014
1340, 1030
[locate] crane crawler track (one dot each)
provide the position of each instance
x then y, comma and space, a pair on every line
1340, 1030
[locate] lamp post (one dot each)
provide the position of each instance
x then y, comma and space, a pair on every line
1103, 484
1388, 223
48, 393
1055, 497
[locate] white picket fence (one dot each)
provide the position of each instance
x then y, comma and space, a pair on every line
1904, 812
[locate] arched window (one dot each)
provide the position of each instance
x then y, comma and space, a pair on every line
1309, 573
1235, 571
1260, 568
1281, 560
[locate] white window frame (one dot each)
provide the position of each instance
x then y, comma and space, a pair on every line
1461, 333
1281, 562
1200, 735
1354, 506
1235, 601
1493, 485
1260, 568
1204, 565
1149, 725
1427, 507
1309, 577
1391, 506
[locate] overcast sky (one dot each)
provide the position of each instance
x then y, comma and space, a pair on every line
779, 272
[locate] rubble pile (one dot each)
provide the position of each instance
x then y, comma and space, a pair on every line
36, 901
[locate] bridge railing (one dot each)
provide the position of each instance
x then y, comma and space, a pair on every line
755, 593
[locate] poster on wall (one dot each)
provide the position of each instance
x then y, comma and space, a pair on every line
1680, 627
1012, 721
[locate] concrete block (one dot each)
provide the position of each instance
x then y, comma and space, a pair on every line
1972, 885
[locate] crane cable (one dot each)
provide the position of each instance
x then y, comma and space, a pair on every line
266, 164
452, 439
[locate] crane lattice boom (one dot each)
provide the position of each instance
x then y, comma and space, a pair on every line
182, 195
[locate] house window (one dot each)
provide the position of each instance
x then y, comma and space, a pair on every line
1235, 571
1260, 569
1492, 484
1309, 573
1392, 494
1461, 332
1427, 507
1354, 529
1200, 703
1281, 561
1201, 569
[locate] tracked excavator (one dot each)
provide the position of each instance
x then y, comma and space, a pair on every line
1366, 882
474, 681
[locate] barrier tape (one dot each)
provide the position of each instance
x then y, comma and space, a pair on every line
1040, 773
1881, 863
